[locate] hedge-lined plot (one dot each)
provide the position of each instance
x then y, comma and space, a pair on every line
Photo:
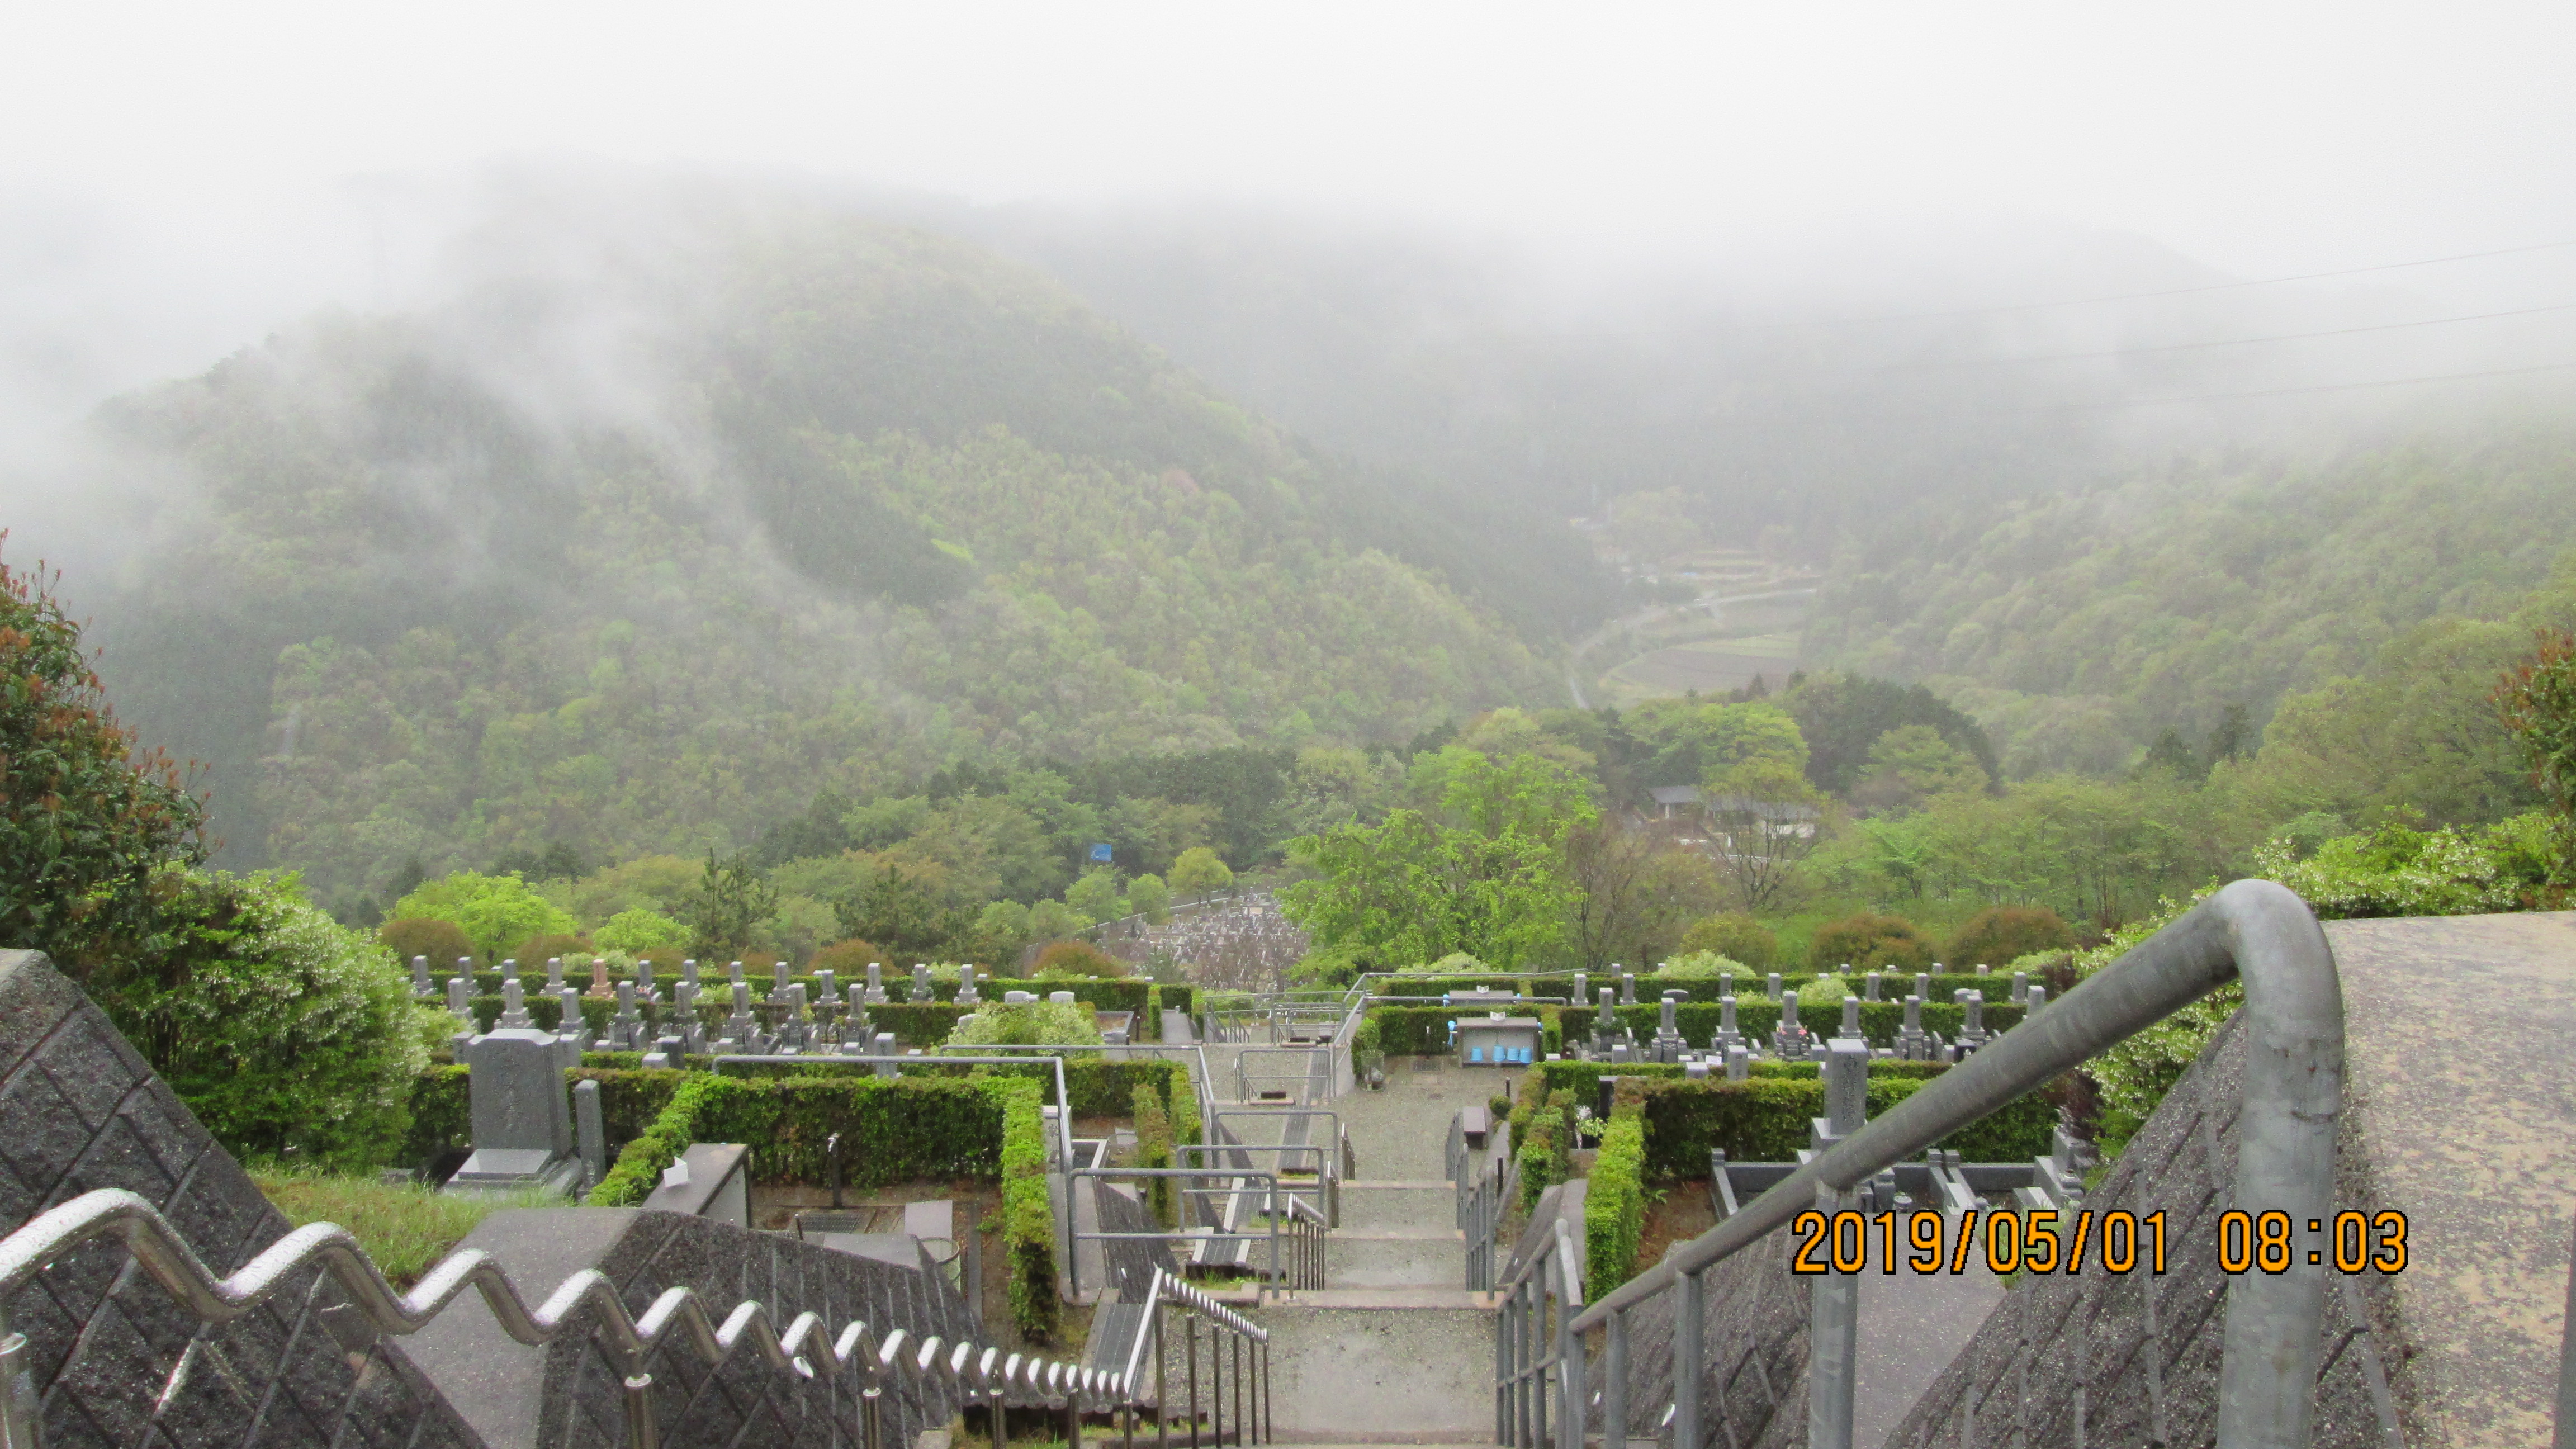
902, 1129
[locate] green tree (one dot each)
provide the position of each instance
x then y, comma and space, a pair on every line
1912, 763
1096, 895
1735, 935
734, 898
902, 916
634, 932
1486, 875
1148, 897
1200, 872
496, 912
86, 818
283, 1030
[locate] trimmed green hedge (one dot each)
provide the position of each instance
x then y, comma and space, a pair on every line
1546, 1155
1614, 1201
442, 1113
1767, 1119
902, 1128
1154, 1151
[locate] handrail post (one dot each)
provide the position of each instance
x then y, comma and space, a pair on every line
1614, 1382
1162, 1396
1687, 1361
1569, 1347
641, 1431
1503, 1372
22, 1418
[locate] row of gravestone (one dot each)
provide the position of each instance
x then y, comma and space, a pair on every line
1791, 1041
791, 1020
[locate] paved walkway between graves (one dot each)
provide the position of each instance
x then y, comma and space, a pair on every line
1393, 1350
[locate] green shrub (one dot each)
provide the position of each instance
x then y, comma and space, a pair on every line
1826, 991
2396, 871
1699, 966
1999, 934
1870, 943
1077, 958
846, 960
1614, 1203
1027, 1023
283, 1031
1735, 935
1154, 1150
443, 942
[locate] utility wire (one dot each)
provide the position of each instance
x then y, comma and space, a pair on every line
2010, 307
2214, 286
2224, 342
2152, 402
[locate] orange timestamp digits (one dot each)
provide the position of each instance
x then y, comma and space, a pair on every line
2045, 1240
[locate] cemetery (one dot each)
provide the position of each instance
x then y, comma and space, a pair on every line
1503, 1209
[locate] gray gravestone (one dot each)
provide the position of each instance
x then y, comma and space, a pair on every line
514, 1004
522, 1119
590, 1129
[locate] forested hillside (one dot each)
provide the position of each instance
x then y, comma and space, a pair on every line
637, 548
2079, 627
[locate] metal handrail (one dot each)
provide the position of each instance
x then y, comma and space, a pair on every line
2254, 931
165, 1256
1250, 1361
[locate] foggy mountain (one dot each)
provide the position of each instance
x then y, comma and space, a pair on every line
657, 528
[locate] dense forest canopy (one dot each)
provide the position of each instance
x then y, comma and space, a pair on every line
640, 560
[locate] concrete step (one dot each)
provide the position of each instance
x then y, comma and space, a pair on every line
1418, 1296
1395, 1184
1351, 1375
1396, 1235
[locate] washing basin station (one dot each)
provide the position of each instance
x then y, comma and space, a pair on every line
1498, 1040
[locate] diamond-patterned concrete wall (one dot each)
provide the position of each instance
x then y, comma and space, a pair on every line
2133, 1359
744, 1401
120, 1367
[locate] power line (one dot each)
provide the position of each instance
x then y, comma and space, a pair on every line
2010, 307
2152, 402
2216, 286
2226, 342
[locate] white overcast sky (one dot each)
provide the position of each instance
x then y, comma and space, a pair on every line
169, 173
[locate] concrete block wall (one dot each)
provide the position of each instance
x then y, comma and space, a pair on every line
2135, 1357
117, 1365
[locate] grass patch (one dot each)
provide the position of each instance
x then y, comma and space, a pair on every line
405, 1228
